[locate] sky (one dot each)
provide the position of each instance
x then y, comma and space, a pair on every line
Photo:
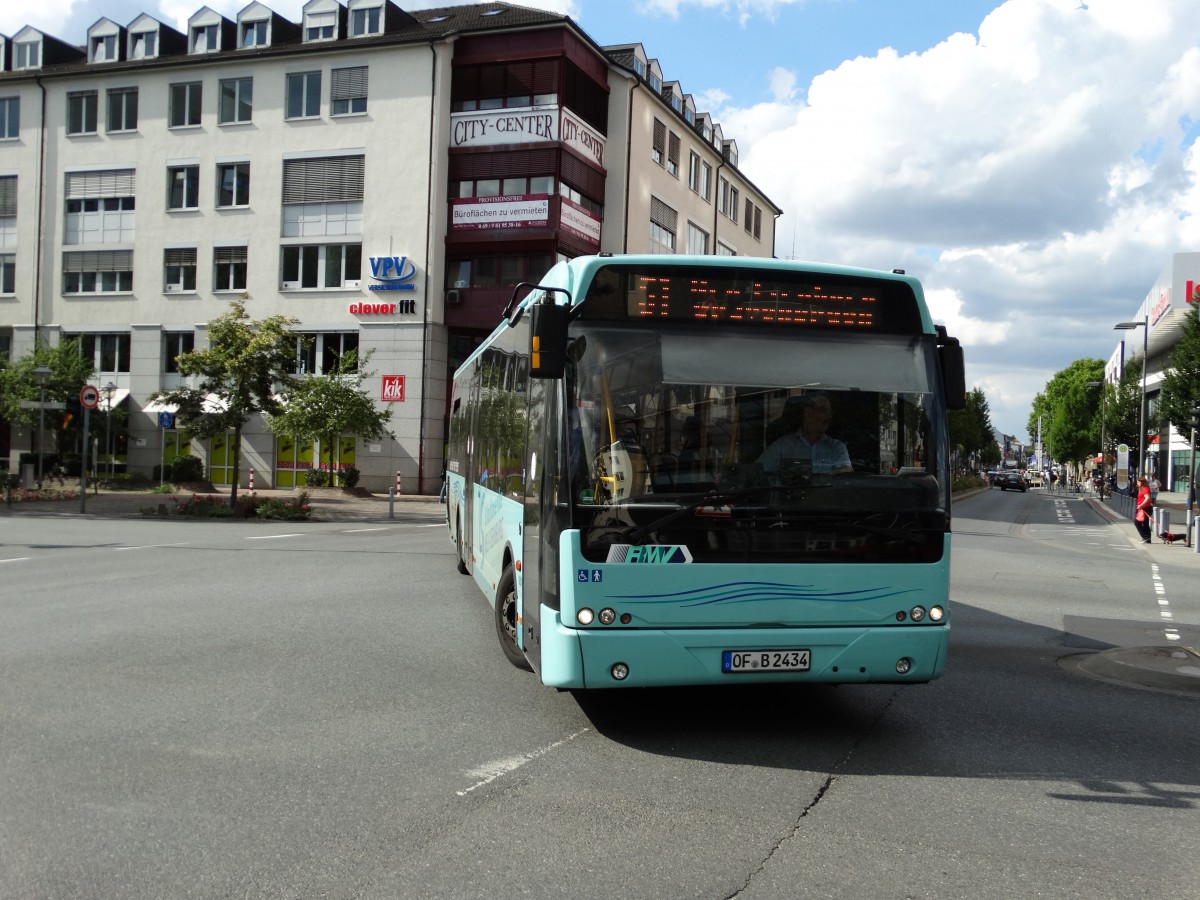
1034, 162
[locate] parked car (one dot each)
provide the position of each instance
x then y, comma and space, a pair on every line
1012, 480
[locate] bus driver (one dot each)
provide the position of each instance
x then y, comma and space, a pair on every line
809, 445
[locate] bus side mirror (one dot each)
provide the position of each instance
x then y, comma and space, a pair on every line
548, 340
954, 373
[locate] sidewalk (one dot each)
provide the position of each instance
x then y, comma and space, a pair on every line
328, 505
1118, 510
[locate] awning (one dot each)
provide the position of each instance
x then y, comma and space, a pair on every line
157, 406
119, 396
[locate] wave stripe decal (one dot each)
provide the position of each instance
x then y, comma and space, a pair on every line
758, 592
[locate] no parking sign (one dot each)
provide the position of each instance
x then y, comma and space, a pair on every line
89, 397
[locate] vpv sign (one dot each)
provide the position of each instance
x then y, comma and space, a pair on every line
392, 273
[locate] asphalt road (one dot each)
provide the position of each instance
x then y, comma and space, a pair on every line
198, 709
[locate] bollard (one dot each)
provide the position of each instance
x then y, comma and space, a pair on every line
1164, 520
251, 488
398, 491
391, 503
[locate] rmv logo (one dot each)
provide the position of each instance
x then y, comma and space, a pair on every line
395, 272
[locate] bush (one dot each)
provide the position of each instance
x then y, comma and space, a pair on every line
291, 509
349, 477
187, 468
249, 506
316, 478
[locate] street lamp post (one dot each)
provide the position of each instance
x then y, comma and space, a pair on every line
42, 374
1145, 326
1103, 452
109, 390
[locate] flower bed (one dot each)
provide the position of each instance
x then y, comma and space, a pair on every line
249, 506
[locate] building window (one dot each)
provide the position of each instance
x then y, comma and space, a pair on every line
321, 352
724, 203
658, 147
733, 204
235, 102
81, 112
27, 54
322, 219
694, 172
320, 26
496, 272
697, 241
98, 272
673, 154
108, 353
175, 344
749, 220
304, 95
364, 21
706, 181
205, 39
184, 105
233, 184
758, 223
8, 211
183, 187
8, 273
663, 227
100, 207
506, 86
10, 118
122, 109
229, 268
723, 250
179, 270
254, 34
144, 45
348, 91
104, 48
324, 179
321, 266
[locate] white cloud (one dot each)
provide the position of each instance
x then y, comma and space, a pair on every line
1036, 178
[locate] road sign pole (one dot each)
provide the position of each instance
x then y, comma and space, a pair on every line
83, 462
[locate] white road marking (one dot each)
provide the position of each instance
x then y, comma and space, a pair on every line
272, 537
362, 530
489, 772
17, 559
152, 546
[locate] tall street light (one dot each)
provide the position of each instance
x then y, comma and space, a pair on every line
1103, 456
1145, 326
109, 389
42, 374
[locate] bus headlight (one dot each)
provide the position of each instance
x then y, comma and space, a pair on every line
903, 665
607, 616
917, 613
585, 616
936, 614
619, 671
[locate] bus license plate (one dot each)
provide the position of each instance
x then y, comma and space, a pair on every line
738, 661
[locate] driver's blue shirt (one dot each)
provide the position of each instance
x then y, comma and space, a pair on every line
826, 455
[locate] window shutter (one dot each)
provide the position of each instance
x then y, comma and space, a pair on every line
673, 148
660, 136
661, 214
98, 261
180, 256
8, 195
582, 177
229, 255
323, 179
348, 84
107, 183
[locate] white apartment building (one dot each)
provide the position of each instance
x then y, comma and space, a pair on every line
384, 177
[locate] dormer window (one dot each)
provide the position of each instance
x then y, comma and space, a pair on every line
104, 48
364, 21
205, 39
639, 67
143, 45
655, 82
320, 26
27, 55
254, 34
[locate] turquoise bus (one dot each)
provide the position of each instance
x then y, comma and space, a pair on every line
685, 470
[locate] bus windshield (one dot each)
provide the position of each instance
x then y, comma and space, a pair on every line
765, 445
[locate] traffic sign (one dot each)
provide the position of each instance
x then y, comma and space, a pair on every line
89, 397
166, 420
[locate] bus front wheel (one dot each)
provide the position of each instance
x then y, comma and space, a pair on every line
507, 627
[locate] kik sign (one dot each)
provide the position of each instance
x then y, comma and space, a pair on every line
393, 389
393, 273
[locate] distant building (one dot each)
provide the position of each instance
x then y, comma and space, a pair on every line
385, 177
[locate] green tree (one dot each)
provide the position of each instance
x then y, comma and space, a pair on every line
69, 373
1181, 380
325, 407
242, 372
1070, 411
971, 426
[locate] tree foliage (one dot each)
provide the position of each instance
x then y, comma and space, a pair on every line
1069, 410
242, 372
1181, 381
971, 427
325, 407
70, 372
